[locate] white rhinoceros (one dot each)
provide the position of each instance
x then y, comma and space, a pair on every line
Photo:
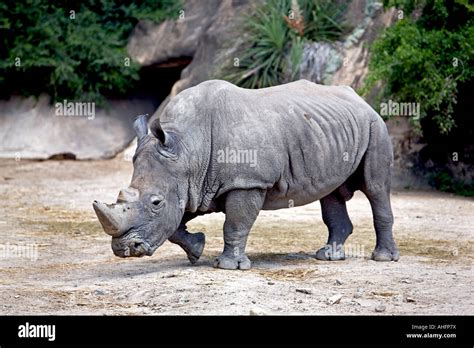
221, 148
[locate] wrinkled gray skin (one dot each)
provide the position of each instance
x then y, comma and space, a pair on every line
311, 142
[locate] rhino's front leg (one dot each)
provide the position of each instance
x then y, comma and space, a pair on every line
192, 243
241, 211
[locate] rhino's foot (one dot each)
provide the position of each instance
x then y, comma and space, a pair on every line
228, 262
194, 251
329, 253
385, 254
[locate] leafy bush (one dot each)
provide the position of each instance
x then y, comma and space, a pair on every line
275, 36
444, 181
426, 58
44, 47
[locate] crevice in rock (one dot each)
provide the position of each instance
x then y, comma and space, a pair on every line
62, 156
156, 80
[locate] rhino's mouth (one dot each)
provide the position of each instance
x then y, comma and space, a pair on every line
131, 245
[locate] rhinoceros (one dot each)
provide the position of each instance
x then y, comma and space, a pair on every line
217, 147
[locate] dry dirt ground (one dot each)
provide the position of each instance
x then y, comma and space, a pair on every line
48, 205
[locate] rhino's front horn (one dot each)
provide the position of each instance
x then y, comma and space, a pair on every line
112, 218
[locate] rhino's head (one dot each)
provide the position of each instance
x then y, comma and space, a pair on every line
150, 210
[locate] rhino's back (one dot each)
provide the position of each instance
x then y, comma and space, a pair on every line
306, 139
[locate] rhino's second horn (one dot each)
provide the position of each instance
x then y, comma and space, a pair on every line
128, 195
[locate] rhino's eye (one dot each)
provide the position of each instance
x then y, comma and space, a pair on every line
155, 200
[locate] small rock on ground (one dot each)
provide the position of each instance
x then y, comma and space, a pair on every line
380, 308
334, 299
304, 291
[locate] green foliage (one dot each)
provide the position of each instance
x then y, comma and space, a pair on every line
426, 59
262, 64
443, 181
294, 57
75, 58
324, 19
275, 36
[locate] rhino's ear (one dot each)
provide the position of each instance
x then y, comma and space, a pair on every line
157, 131
168, 145
141, 126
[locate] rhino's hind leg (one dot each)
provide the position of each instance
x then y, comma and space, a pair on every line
376, 186
385, 247
241, 211
337, 220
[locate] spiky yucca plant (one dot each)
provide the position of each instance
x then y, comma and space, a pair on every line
276, 32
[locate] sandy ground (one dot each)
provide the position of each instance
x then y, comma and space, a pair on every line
47, 205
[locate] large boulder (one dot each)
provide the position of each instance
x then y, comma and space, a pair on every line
31, 128
208, 31
345, 62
